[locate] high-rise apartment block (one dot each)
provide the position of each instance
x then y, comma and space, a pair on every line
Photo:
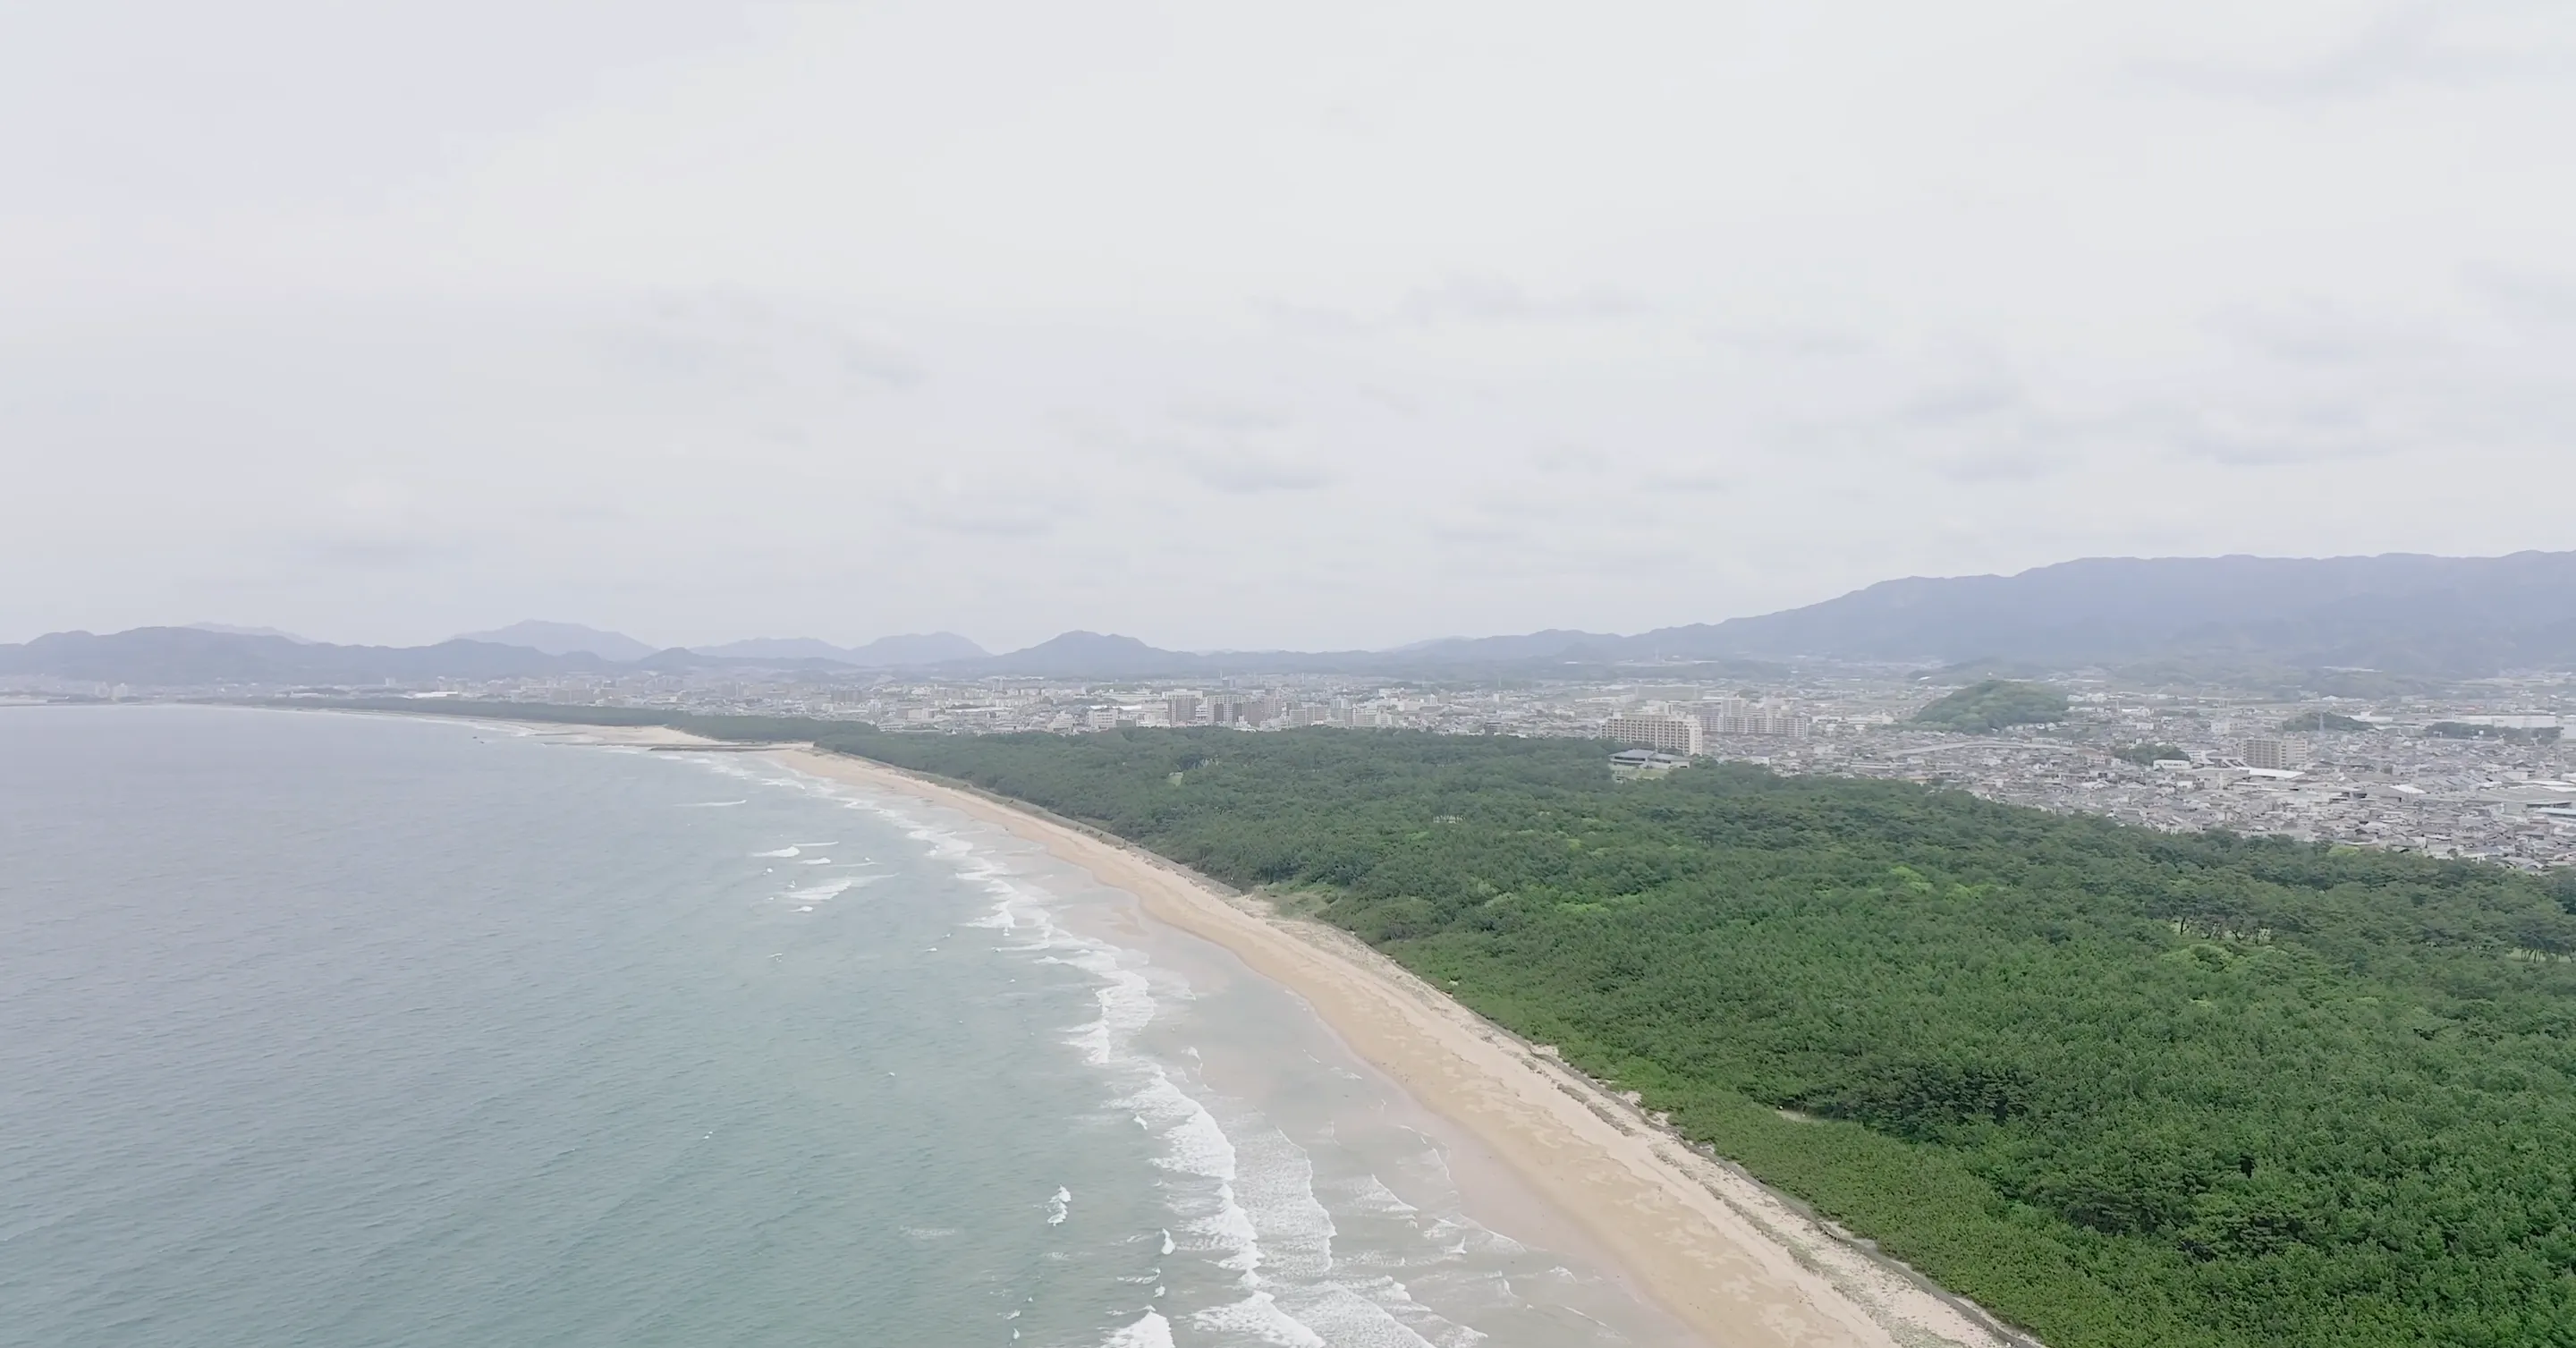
1672, 734
1239, 709
1736, 716
2276, 755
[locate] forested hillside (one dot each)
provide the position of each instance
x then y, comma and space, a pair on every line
2122, 1087
1992, 704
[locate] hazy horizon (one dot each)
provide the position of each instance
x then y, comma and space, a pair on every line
1228, 329
499, 632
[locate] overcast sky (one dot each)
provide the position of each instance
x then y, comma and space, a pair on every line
1310, 325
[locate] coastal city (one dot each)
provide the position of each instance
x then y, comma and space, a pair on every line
2470, 770
1217, 676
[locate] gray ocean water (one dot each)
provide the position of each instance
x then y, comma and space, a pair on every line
340, 1030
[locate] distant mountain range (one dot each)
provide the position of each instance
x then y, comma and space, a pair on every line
563, 639
924, 648
555, 638
2400, 613
231, 630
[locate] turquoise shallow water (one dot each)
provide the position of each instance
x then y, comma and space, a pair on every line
331, 1030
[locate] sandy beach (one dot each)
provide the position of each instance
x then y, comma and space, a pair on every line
1733, 1261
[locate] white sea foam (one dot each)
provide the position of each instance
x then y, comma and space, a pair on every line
1259, 1316
1276, 1181
779, 852
1492, 1242
1194, 1147
1242, 1193
1348, 1318
1151, 1332
708, 804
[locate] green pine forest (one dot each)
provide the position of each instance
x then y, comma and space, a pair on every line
2121, 1087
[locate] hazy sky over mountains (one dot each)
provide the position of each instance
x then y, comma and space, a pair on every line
1224, 325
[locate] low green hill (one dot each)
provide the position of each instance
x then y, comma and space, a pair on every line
1993, 704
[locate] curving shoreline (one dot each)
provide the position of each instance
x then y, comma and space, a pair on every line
1732, 1260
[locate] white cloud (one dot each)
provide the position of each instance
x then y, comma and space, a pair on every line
1239, 327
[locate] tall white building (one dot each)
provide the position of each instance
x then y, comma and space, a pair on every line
2276, 755
1672, 734
1736, 716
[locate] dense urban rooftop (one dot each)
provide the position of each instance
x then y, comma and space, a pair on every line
2474, 769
